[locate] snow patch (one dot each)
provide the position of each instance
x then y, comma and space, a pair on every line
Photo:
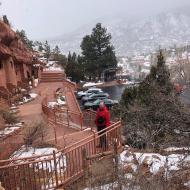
187, 184
91, 84
172, 149
154, 161
33, 95
52, 104
8, 130
24, 152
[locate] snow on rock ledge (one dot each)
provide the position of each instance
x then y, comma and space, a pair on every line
154, 161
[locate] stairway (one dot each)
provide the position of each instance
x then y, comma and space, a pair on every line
49, 76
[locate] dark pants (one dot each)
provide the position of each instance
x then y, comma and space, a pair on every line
103, 141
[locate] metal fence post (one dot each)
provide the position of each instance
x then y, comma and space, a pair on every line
55, 166
55, 134
116, 166
81, 121
84, 165
91, 121
68, 117
94, 142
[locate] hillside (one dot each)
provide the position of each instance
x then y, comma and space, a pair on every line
135, 36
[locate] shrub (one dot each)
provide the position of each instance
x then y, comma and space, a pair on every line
9, 118
35, 132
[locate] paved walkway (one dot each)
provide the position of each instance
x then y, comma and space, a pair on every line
32, 112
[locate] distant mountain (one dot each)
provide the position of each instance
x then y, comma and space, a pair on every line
137, 35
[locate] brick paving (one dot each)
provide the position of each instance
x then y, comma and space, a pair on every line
32, 112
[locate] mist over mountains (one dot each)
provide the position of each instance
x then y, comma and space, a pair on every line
135, 35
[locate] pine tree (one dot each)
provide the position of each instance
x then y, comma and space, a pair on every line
152, 113
98, 53
39, 45
62, 60
5, 20
25, 40
74, 68
69, 66
40, 48
47, 50
56, 53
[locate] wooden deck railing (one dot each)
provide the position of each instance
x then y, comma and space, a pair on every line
56, 169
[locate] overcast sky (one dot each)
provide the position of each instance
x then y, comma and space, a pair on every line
49, 18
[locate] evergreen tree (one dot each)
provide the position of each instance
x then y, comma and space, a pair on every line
25, 40
74, 68
56, 53
5, 20
47, 50
62, 60
98, 53
152, 113
39, 45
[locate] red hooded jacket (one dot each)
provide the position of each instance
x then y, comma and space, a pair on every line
104, 113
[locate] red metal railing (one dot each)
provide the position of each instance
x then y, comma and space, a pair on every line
63, 116
59, 168
66, 117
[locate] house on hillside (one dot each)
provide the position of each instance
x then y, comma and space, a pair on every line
18, 64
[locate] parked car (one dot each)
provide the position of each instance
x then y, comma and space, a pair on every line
94, 105
88, 92
94, 97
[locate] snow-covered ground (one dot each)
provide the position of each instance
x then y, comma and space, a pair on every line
59, 102
112, 186
52, 66
33, 95
103, 187
24, 152
44, 160
43, 153
91, 84
28, 99
155, 162
10, 129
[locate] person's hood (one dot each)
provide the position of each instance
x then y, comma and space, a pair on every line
103, 109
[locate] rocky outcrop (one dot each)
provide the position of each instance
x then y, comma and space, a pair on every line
11, 45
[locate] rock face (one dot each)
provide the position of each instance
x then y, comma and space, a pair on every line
136, 36
11, 44
18, 64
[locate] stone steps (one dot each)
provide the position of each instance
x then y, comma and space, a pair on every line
52, 77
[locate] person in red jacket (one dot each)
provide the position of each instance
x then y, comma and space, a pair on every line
102, 121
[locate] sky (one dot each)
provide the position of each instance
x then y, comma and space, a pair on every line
49, 18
